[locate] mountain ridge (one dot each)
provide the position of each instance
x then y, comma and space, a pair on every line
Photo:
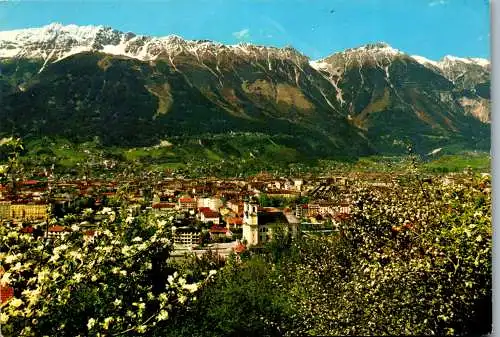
91, 38
69, 81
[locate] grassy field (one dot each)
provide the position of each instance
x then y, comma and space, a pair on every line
235, 155
454, 163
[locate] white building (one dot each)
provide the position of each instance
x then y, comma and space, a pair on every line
258, 226
207, 215
213, 203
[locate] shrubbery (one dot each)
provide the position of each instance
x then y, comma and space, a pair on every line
115, 283
412, 260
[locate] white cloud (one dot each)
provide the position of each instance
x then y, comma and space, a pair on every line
243, 34
437, 3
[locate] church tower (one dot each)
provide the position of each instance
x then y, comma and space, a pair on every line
250, 223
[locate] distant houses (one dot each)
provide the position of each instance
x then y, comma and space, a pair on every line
187, 204
186, 235
207, 216
23, 210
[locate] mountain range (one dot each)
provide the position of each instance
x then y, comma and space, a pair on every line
83, 83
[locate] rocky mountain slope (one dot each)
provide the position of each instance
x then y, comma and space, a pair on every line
83, 82
384, 89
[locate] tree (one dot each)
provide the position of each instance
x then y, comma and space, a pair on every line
240, 301
115, 283
414, 260
12, 171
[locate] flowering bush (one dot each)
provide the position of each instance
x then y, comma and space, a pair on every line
115, 283
412, 260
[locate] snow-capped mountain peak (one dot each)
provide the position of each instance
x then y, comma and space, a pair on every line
450, 60
381, 48
453, 59
425, 61
56, 41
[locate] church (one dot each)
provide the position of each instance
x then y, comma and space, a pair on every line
259, 223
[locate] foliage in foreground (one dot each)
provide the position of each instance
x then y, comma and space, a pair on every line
117, 283
414, 260
411, 261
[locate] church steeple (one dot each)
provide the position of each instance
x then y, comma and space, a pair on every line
250, 222
250, 208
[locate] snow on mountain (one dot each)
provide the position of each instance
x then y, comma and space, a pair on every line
480, 61
373, 51
449, 60
425, 61
56, 41
376, 48
383, 52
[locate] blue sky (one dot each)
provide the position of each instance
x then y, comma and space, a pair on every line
431, 28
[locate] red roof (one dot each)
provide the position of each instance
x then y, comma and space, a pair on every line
235, 221
239, 248
210, 214
6, 293
89, 233
27, 230
216, 229
57, 228
30, 182
186, 200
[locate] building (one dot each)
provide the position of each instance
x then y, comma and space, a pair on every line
344, 208
207, 215
164, 208
213, 203
234, 222
219, 232
186, 235
297, 184
4, 210
236, 206
250, 223
308, 210
187, 204
23, 211
259, 224
57, 231
282, 194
